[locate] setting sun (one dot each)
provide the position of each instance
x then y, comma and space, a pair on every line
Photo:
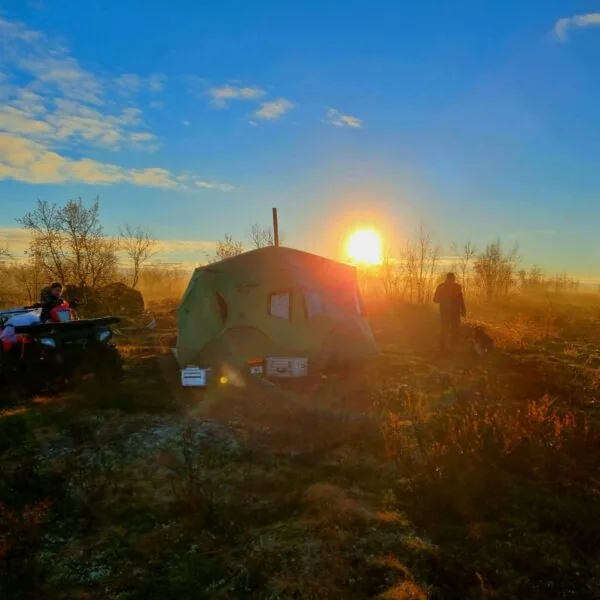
364, 246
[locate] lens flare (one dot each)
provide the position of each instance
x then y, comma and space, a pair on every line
364, 246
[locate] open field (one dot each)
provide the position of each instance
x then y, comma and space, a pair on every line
416, 476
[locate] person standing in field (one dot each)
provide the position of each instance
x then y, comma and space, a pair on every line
452, 307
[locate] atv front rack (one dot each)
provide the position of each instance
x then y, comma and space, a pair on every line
37, 328
11, 312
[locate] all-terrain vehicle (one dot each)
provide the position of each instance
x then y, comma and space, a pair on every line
38, 355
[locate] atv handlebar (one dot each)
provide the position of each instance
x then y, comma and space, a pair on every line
74, 303
37, 328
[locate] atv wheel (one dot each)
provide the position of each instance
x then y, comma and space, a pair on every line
18, 378
110, 366
29, 383
4, 378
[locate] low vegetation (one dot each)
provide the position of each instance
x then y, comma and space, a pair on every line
416, 477
412, 477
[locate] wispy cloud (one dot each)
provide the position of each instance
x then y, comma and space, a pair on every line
334, 117
221, 96
61, 74
30, 161
564, 25
64, 121
273, 109
211, 185
57, 103
179, 247
131, 84
156, 83
15, 238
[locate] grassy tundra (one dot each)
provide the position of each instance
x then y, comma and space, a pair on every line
414, 477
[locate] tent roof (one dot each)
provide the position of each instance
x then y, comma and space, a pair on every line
278, 255
226, 310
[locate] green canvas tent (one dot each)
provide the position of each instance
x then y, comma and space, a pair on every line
273, 301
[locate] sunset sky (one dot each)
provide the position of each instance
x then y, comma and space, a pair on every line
195, 118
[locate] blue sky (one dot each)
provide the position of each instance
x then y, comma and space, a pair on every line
195, 118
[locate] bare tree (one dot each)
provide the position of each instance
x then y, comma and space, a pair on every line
495, 269
69, 244
563, 283
464, 260
228, 247
392, 276
5, 253
421, 263
139, 246
29, 275
533, 280
163, 280
260, 237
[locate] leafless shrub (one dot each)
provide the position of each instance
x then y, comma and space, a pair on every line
5, 253
411, 276
69, 244
392, 277
228, 247
139, 246
421, 263
163, 281
495, 270
29, 277
465, 256
261, 237
563, 283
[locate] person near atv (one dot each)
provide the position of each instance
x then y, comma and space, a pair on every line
50, 297
449, 296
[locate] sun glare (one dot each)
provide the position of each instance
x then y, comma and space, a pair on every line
364, 246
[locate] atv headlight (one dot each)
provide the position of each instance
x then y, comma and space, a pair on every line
48, 342
104, 335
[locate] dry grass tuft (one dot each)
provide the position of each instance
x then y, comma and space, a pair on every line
327, 503
407, 590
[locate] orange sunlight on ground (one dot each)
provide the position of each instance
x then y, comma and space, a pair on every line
364, 246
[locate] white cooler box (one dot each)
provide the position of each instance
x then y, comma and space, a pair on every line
193, 376
286, 366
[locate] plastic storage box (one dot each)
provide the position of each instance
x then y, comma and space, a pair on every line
286, 366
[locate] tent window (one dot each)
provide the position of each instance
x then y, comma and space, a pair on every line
280, 305
222, 305
313, 303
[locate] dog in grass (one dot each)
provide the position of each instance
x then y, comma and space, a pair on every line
483, 344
